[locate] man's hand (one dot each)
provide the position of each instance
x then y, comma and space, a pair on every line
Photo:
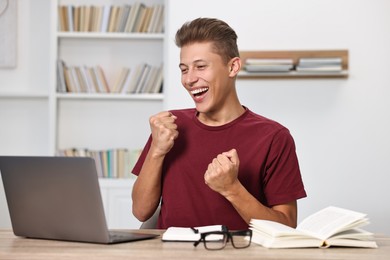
164, 132
221, 174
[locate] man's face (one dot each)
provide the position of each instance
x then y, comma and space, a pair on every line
205, 76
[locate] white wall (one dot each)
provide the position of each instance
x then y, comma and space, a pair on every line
341, 126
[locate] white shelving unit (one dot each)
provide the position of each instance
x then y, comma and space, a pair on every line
104, 120
117, 203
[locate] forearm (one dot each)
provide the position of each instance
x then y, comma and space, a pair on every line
147, 188
250, 208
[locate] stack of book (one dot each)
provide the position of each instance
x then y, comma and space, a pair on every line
144, 78
268, 65
112, 163
109, 18
320, 65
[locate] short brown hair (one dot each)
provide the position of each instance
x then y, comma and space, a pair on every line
224, 38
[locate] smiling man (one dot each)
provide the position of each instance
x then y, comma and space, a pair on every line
217, 163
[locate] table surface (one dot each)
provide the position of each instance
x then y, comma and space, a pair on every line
12, 247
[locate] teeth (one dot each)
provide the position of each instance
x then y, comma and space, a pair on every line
199, 90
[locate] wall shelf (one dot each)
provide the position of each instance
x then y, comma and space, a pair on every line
295, 56
112, 96
98, 35
29, 95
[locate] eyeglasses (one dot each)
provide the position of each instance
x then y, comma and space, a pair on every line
216, 240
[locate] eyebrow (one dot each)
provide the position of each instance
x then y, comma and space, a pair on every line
194, 62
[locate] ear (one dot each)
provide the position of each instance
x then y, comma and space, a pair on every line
234, 66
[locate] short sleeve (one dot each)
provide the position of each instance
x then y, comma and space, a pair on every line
282, 181
138, 165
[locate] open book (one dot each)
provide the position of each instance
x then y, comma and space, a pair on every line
188, 234
330, 226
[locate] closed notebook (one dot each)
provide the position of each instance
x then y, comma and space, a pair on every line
188, 234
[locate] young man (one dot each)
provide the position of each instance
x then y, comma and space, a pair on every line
218, 163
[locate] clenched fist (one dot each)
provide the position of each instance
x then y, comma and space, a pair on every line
222, 172
164, 132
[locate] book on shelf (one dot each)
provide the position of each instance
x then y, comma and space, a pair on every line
101, 80
136, 18
76, 84
139, 19
110, 163
153, 80
158, 82
320, 69
69, 18
61, 19
151, 26
160, 22
120, 80
61, 84
268, 68
76, 19
142, 79
132, 16
145, 78
95, 22
122, 18
185, 234
146, 20
135, 76
113, 18
331, 226
320, 65
268, 65
320, 61
259, 61
105, 16
68, 80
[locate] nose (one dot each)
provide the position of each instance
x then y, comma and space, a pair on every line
190, 78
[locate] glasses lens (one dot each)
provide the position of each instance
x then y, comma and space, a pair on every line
241, 239
215, 241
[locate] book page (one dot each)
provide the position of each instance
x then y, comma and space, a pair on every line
330, 221
275, 229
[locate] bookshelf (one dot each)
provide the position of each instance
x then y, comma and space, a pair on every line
95, 120
295, 55
100, 121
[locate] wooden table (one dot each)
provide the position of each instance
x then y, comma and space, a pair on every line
12, 247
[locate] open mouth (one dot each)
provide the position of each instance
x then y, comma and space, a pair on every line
199, 92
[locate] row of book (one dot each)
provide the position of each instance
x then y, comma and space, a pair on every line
145, 78
111, 163
320, 65
307, 65
136, 18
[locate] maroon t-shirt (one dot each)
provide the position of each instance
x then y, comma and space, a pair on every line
268, 169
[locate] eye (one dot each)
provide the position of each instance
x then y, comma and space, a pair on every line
201, 67
183, 70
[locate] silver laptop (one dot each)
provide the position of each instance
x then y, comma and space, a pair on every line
57, 198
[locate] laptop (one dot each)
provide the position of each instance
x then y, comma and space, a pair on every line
58, 198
